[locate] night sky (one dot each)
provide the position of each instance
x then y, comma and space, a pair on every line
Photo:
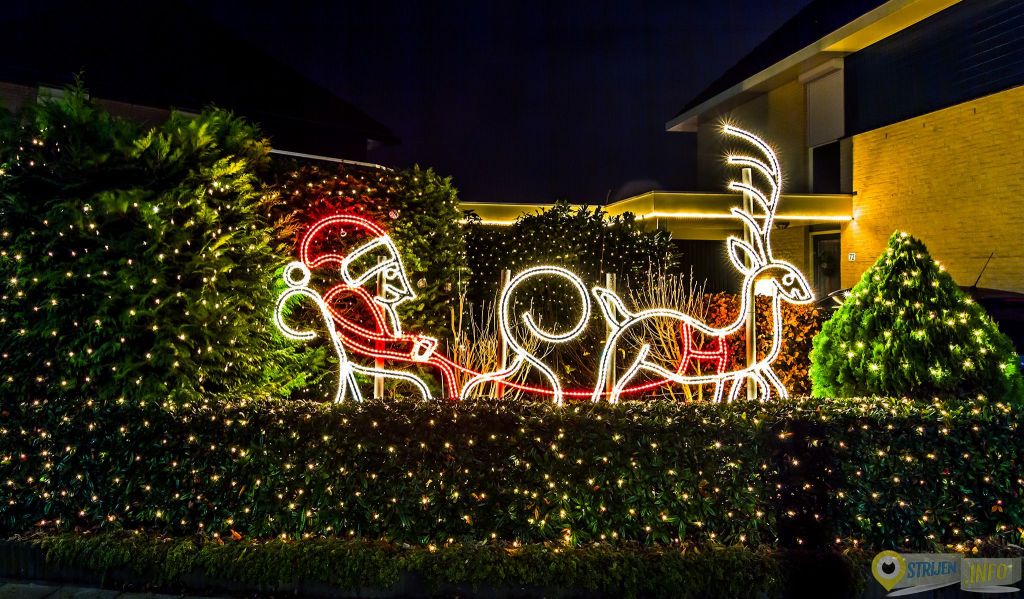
518, 101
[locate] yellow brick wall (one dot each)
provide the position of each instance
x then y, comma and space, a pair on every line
790, 244
953, 178
778, 117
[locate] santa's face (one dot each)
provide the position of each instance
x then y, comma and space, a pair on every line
395, 287
378, 258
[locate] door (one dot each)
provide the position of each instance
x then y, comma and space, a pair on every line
826, 263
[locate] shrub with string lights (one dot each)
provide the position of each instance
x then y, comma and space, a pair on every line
583, 240
418, 207
873, 472
136, 263
907, 328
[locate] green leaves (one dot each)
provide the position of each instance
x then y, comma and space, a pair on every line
908, 329
879, 472
359, 565
142, 258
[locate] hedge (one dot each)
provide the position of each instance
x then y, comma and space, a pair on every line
136, 262
803, 473
359, 565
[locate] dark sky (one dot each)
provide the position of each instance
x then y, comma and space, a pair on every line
517, 100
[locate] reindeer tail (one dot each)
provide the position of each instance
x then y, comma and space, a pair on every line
615, 312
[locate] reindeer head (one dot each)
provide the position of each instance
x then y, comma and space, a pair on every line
754, 260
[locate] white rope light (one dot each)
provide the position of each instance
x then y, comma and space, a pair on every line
788, 281
754, 260
522, 355
396, 285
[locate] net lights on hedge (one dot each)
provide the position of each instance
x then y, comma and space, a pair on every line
522, 355
386, 340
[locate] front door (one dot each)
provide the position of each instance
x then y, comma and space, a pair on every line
826, 264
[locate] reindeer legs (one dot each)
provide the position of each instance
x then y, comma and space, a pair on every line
627, 376
769, 374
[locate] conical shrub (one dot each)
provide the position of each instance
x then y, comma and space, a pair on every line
908, 330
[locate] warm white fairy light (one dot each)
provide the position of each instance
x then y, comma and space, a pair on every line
522, 355
789, 283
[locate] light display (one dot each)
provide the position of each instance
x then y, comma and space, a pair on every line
373, 260
522, 355
347, 385
754, 261
344, 303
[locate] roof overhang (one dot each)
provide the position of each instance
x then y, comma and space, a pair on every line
691, 215
875, 25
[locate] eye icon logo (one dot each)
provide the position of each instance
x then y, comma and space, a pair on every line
888, 568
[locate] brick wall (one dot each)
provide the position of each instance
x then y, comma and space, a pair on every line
790, 244
953, 178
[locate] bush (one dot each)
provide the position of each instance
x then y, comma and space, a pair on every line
800, 323
906, 328
798, 473
582, 240
418, 208
137, 263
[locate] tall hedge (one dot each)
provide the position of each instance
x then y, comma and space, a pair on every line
878, 473
908, 329
136, 263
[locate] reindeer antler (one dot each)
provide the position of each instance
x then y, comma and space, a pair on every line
769, 169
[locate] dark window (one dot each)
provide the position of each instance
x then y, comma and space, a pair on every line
709, 264
825, 168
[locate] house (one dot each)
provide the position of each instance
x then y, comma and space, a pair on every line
913, 108
886, 115
141, 64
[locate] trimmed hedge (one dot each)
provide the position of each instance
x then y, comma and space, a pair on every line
882, 472
289, 566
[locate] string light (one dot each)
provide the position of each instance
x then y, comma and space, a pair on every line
788, 281
387, 341
522, 355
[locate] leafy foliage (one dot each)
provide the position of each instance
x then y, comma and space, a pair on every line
136, 262
418, 208
358, 564
585, 241
800, 473
800, 323
906, 328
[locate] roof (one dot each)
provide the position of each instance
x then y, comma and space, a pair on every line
813, 22
689, 215
822, 30
173, 55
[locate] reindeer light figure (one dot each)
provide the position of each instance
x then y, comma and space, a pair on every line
754, 261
